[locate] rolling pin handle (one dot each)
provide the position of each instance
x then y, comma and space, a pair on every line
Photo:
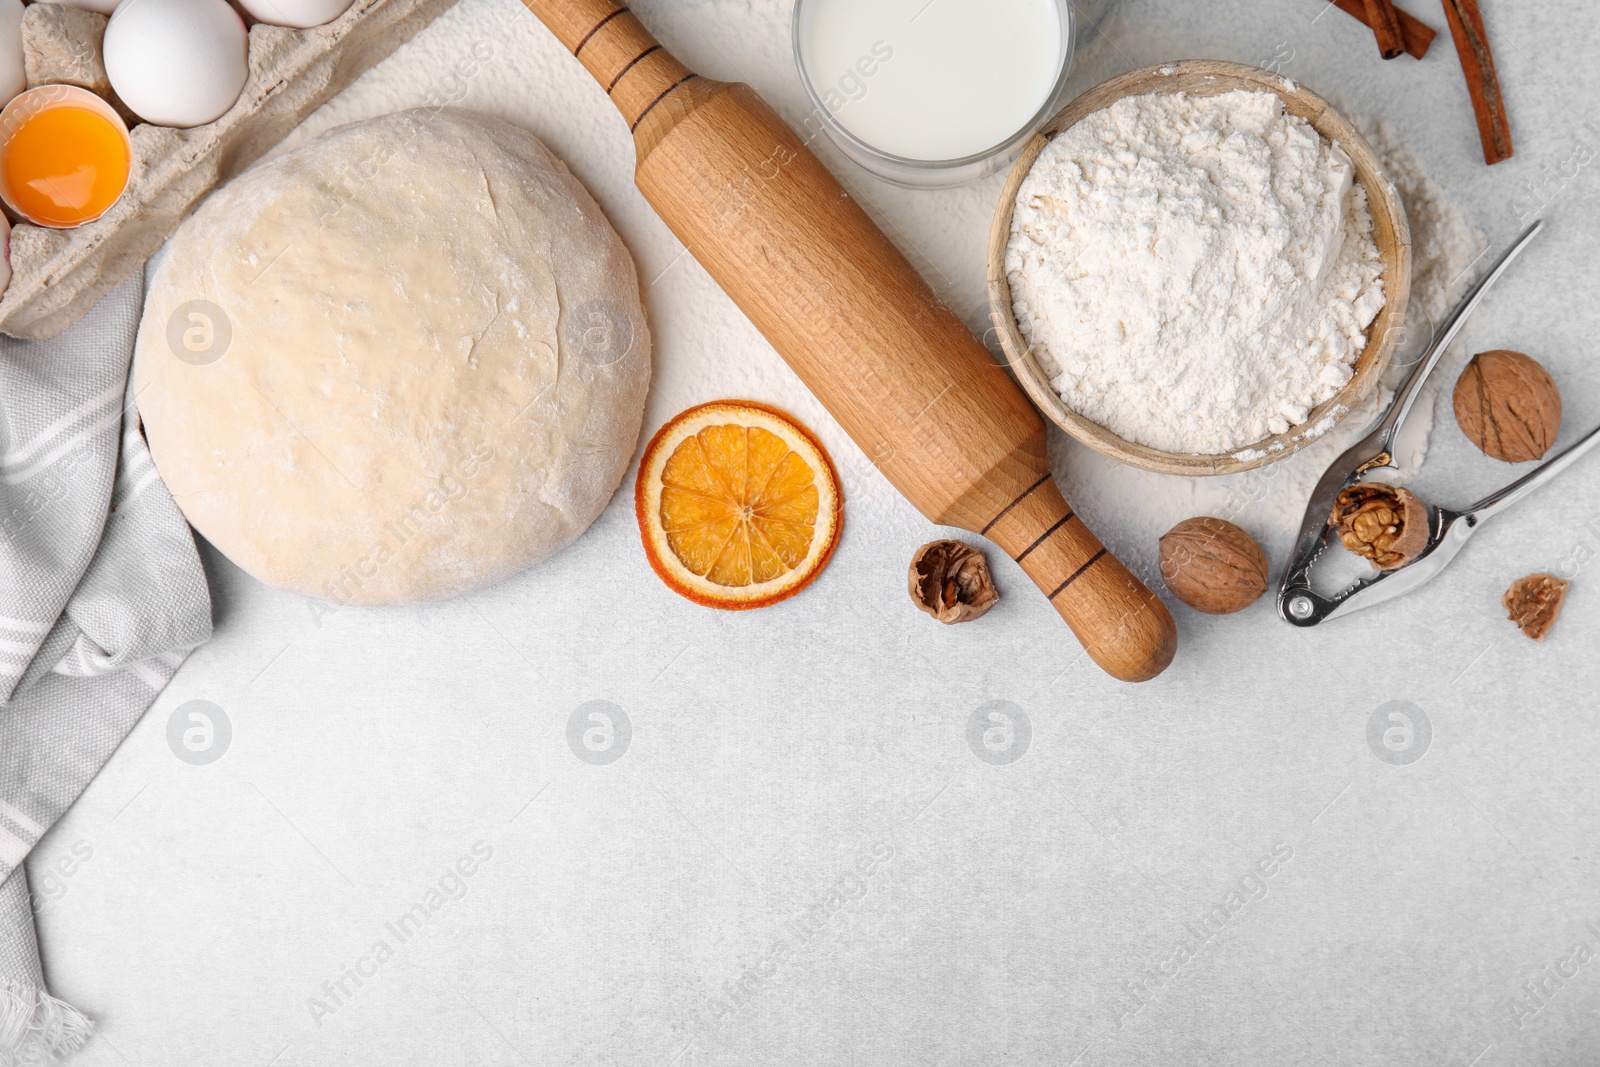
613, 45
1123, 626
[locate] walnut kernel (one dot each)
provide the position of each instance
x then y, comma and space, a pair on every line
1386, 524
950, 580
1213, 566
1507, 405
1534, 603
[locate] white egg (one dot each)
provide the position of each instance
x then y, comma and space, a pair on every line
300, 14
104, 7
12, 78
177, 62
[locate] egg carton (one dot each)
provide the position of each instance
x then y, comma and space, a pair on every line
58, 275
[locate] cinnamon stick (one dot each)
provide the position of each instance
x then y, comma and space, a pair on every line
1385, 23
1477, 64
1415, 34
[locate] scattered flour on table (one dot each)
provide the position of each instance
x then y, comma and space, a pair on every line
1195, 273
1444, 241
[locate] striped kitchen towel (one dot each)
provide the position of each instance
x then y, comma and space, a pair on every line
101, 597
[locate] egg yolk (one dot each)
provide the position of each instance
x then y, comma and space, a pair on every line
65, 166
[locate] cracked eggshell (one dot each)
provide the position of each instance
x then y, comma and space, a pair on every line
5, 260
177, 62
297, 14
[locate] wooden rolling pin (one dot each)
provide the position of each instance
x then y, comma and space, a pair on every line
904, 376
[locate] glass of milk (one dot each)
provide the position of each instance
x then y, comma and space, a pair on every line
928, 93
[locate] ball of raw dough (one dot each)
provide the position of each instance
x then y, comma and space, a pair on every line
397, 364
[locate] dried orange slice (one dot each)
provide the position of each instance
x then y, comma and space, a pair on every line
739, 506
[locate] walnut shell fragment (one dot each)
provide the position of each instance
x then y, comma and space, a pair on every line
1386, 524
1508, 405
950, 580
1534, 603
1213, 566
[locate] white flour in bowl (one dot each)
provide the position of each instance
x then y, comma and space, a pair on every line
1194, 273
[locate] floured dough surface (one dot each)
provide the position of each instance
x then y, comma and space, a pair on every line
397, 364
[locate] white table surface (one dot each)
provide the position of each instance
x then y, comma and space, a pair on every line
771, 751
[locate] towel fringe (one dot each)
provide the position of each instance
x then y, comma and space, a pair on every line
36, 1028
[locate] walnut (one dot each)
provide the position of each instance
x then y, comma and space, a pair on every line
1534, 603
1507, 405
1213, 566
950, 580
1385, 523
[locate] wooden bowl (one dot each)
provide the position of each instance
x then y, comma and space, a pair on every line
1390, 230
